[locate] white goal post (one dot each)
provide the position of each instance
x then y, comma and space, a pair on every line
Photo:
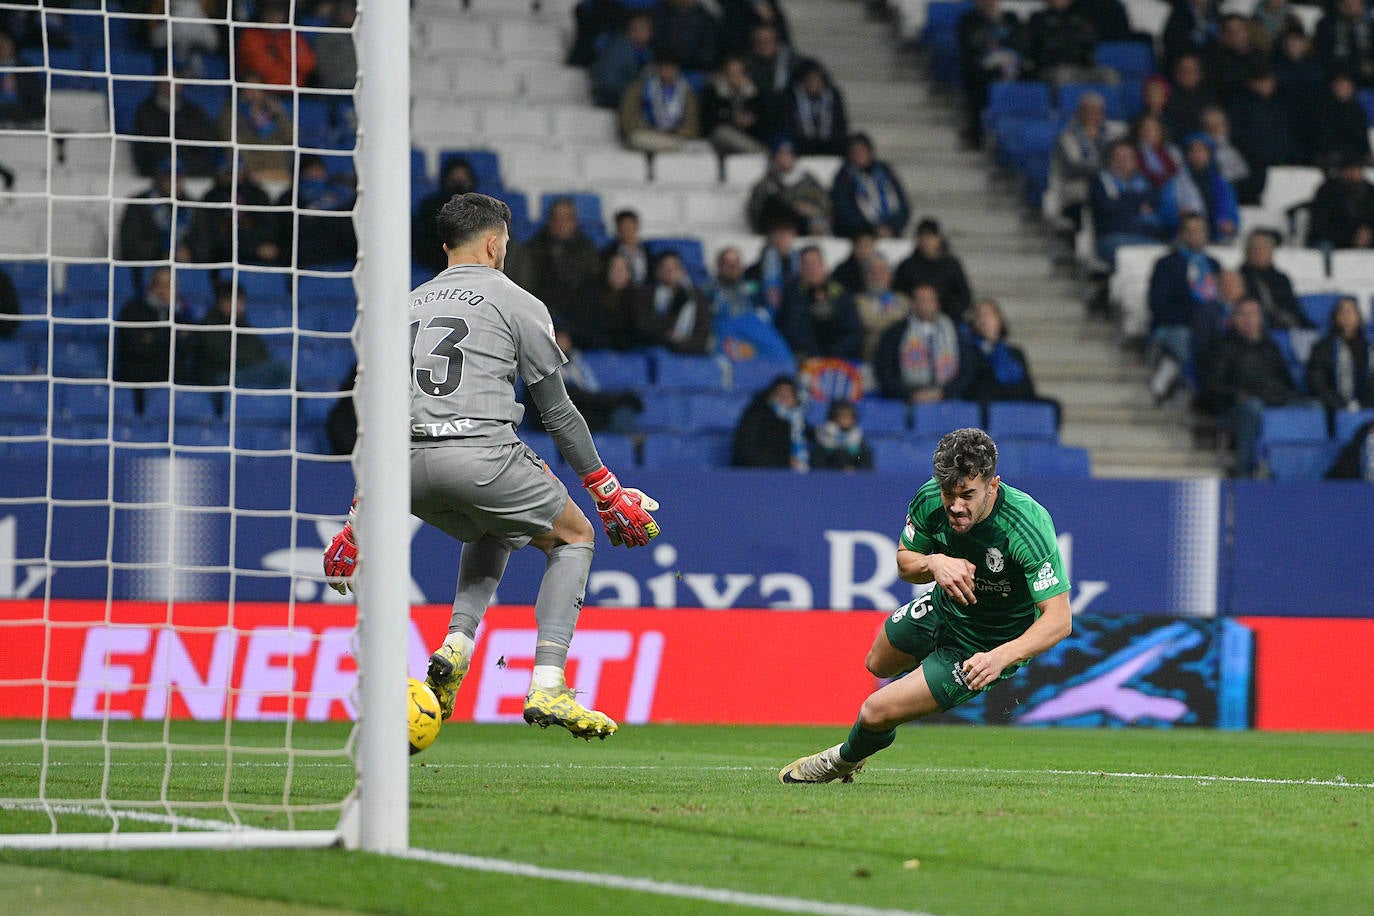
96, 691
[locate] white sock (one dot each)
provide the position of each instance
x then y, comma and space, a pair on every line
462, 641
548, 677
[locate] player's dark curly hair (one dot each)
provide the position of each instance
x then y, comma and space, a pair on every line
962, 454
467, 216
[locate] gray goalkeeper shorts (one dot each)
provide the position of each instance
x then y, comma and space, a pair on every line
467, 491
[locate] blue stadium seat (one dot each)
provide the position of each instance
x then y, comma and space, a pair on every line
81, 401
1317, 307
674, 371
141, 429
156, 402
336, 316
194, 287
29, 278
326, 289
79, 428
715, 411
257, 284
312, 441
663, 411
689, 251
88, 280
263, 408
937, 418
1049, 459
942, 40
189, 405
132, 63
522, 228
16, 357
616, 450
544, 446
902, 454
79, 305
1348, 423
262, 437
1021, 420
1296, 367
315, 117
1299, 460
753, 375
201, 433
24, 400
211, 98
615, 369
323, 363
1293, 424
1017, 99
271, 312
697, 451
79, 359
1127, 58
880, 415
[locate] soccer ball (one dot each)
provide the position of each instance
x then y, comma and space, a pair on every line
422, 714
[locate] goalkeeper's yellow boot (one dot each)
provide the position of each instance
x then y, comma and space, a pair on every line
826, 766
446, 669
559, 706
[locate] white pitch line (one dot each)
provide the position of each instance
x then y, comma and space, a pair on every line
171, 820
650, 886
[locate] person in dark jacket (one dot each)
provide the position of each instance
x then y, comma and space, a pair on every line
260, 232
673, 314
602, 316
1268, 285
684, 29
1189, 96
1262, 128
143, 346
1344, 40
772, 431
818, 317
817, 121
839, 441
1339, 369
1342, 127
1342, 211
990, 46
562, 258
224, 351
997, 370
1232, 56
1059, 44
1190, 29
867, 192
426, 248
1245, 374
153, 118
730, 110
1125, 207
931, 262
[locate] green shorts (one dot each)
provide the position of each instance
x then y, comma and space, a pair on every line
916, 629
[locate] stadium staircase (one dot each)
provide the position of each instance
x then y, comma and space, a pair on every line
1075, 358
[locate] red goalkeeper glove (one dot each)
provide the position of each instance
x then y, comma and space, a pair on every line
341, 557
624, 512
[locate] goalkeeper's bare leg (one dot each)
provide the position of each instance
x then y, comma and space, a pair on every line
569, 547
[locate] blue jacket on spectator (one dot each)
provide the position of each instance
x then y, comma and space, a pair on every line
1119, 207
1172, 284
1205, 193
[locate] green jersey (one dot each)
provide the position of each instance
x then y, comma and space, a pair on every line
1016, 559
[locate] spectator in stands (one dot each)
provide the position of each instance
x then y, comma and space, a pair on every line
1217, 128
153, 118
1344, 42
839, 441
143, 335
816, 119
629, 245
739, 19
224, 340
155, 230
674, 314
1199, 188
562, 259
1263, 130
1059, 46
336, 54
1296, 66
788, 193
772, 64
260, 120
341, 425
1342, 126
849, 273
1124, 206
743, 328
605, 410
596, 23
1190, 29
772, 430
868, 193
1342, 212
1245, 374
1159, 159
1183, 285
1232, 57
1189, 95
817, 317
931, 263
622, 60
1268, 285
1154, 96
1109, 20
23, 96
259, 232
1340, 369
323, 239
918, 360
879, 306
602, 316
1355, 460
192, 41
688, 33
268, 55
997, 370
990, 47
660, 110
730, 110
777, 265
1080, 151
1269, 20
426, 248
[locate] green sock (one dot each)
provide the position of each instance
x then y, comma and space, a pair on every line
863, 743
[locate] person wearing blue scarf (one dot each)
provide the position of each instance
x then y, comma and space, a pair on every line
1123, 204
1000, 371
772, 431
1200, 188
868, 194
660, 110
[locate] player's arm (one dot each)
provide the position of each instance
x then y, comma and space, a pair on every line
952, 575
1054, 623
624, 512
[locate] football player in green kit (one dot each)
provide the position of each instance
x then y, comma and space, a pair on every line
1000, 598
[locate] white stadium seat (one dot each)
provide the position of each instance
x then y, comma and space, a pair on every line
1304, 266
660, 213
553, 82
503, 123
823, 167
526, 38
895, 251
743, 170
614, 165
445, 38
714, 209
687, 169
583, 124
1130, 285
76, 111
474, 79
539, 167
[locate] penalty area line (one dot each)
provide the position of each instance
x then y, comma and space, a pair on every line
650, 885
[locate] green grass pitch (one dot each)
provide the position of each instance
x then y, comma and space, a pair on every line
950, 820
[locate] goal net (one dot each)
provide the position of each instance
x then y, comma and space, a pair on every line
176, 421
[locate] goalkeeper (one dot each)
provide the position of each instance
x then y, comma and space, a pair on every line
472, 331
1001, 597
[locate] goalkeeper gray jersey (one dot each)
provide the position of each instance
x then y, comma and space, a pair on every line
472, 330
